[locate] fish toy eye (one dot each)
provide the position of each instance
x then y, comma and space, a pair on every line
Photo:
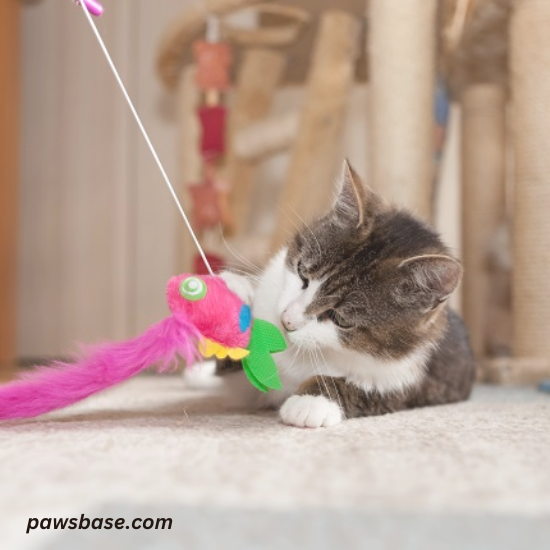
193, 289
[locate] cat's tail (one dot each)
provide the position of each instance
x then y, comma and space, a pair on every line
99, 367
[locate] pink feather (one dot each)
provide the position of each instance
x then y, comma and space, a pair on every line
103, 366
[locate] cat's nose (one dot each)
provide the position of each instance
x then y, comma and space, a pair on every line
287, 322
288, 325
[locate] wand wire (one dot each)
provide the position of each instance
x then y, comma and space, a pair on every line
146, 137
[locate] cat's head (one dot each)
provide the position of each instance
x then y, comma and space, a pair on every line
367, 277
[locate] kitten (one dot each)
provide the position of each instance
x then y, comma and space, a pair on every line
360, 296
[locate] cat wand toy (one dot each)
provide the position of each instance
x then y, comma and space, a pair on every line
206, 319
95, 8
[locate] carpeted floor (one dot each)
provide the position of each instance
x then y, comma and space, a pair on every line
474, 475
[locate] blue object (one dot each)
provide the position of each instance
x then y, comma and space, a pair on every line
545, 386
245, 318
442, 105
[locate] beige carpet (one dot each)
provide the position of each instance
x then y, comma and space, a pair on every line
473, 475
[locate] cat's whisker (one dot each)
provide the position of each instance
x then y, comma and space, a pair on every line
318, 369
299, 229
288, 233
248, 268
242, 259
243, 272
256, 277
289, 218
294, 355
299, 352
317, 372
307, 226
237, 255
312, 362
331, 378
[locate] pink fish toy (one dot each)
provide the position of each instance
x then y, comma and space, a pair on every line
206, 319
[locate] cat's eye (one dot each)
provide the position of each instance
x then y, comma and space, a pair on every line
301, 273
338, 320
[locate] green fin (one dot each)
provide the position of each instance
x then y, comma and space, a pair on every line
252, 379
259, 366
266, 336
263, 369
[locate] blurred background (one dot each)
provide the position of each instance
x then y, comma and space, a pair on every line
439, 105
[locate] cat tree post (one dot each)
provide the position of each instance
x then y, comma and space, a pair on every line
266, 137
530, 59
259, 74
315, 157
401, 55
483, 174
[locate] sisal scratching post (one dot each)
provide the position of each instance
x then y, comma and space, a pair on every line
401, 54
483, 175
530, 60
316, 157
257, 80
190, 161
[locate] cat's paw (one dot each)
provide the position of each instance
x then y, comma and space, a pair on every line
310, 411
201, 375
240, 285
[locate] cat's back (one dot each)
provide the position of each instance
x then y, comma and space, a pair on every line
451, 369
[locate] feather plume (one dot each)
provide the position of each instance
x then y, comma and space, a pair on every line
48, 388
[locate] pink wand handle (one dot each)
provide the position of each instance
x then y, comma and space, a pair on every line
94, 7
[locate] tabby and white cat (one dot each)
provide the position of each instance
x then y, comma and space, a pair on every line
360, 295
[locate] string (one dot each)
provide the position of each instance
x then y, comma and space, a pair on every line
146, 136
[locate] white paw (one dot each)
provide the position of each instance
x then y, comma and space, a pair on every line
240, 285
310, 411
200, 376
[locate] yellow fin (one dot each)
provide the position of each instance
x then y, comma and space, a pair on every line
221, 351
208, 348
237, 353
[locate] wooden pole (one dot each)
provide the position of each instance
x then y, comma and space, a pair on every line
190, 161
9, 154
483, 175
316, 155
401, 57
266, 137
257, 80
530, 59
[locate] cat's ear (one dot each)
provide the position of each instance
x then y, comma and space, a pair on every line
427, 281
349, 206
